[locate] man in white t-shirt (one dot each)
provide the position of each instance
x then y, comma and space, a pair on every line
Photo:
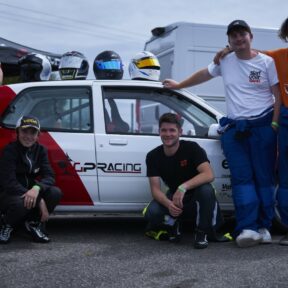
248, 132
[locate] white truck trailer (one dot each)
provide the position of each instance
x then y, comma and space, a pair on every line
183, 48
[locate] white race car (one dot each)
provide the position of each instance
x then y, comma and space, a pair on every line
99, 132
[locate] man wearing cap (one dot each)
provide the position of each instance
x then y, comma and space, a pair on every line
27, 193
248, 132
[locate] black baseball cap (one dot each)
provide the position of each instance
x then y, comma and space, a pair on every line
28, 122
236, 24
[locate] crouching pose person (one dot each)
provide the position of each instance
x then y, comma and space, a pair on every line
185, 169
27, 193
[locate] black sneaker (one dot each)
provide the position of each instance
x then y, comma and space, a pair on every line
201, 241
37, 232
5, 233
174, 233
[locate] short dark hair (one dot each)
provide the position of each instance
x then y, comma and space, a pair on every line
283, 31
170, 118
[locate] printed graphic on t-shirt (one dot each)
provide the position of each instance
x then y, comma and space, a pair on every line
254, 76
183, 163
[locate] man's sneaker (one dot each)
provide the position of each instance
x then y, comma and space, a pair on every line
201, 241
160, 235
266, 236
36, 230
284, 241
5, 233
248, 238
174, 232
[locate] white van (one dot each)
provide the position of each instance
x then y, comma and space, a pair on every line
183, 48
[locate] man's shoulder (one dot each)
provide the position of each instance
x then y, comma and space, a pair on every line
155, 151
189, 144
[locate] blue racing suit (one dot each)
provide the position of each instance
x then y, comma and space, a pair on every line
250, 147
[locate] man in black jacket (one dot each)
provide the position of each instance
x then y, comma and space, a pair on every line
27, 193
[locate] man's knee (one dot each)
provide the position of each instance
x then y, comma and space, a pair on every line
204, 191
154, 211
52, 197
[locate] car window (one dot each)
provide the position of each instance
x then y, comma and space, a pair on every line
137, 111
57, 108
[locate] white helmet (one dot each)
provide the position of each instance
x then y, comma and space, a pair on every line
144, 66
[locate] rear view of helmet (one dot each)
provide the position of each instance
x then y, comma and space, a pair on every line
34, 67
73, 65
144, 66
108, 65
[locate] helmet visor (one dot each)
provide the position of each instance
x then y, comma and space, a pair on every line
70, 62
109, 65
147, 62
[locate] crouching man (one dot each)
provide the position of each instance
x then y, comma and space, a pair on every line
185, 169
27, 194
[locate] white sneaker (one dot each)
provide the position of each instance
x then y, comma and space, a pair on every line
248, 238
266, 236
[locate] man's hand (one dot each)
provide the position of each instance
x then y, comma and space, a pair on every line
30, 198
171, 84
178, 199
174, 210
221, 54
44, 211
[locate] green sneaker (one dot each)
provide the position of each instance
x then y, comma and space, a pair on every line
160, 235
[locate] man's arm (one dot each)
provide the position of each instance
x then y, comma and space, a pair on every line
161, 197
195, 79
205, 175
277, 105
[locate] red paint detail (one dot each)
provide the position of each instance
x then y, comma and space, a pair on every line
67, 179
6, 95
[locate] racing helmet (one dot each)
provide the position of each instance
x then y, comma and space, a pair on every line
108, 65
73, 66
34, 67
144, 66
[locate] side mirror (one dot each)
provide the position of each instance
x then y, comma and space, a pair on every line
213, 131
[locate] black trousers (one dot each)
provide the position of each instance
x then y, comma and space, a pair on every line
12, 206
199, 205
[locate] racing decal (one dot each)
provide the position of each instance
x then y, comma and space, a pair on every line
67, 178
134, 168
225, 164
127, 168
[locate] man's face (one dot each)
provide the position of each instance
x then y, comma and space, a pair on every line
240, 39
169, 134
28, 136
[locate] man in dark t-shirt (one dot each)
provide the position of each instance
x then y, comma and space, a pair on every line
185, 169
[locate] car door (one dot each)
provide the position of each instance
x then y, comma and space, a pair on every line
65, 114
131, 123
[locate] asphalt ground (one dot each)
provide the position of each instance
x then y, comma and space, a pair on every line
108, 252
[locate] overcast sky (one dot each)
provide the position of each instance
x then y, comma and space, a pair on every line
92, 26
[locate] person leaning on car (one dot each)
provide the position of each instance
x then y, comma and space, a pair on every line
185, 169
280, 57
249, 138
27, 193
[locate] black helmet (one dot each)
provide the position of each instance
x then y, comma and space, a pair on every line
34, 67
108, 65
73, 65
